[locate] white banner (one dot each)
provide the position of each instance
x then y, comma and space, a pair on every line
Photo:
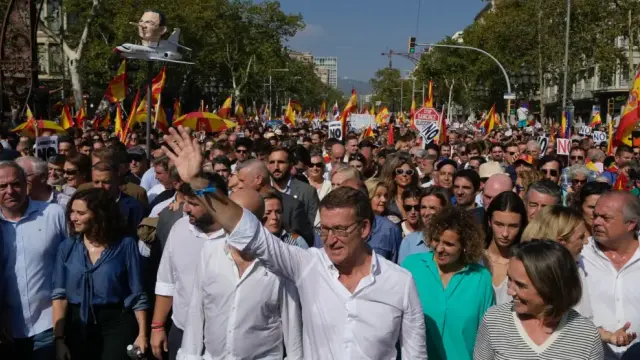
46, 147
544, 144
599, 136
362, 121
316, 124
335, 130
584, 131
429, 130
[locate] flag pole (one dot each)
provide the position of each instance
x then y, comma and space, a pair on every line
149, 80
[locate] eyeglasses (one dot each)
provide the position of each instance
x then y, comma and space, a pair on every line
341, 233
317, 165
577, 157
408, 208
70, 172
551, 172
578, 181
242, 151
472, 167
512, 153
404, 172
462, 153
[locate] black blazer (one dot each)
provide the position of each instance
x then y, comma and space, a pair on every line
295, 219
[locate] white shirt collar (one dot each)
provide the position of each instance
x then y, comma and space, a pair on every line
199, 233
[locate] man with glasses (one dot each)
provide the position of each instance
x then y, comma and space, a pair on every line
551, 167
577, 156
511, 153
636, 153
55, 170
138, 163
373, 303
242, 152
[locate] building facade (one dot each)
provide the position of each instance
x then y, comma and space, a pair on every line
330, 63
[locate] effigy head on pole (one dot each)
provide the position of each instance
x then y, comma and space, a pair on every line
151, 27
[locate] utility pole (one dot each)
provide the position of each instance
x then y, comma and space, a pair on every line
566, 57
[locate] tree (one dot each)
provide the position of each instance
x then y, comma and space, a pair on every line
384, 84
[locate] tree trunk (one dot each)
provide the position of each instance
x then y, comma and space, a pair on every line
76, 84
540, 69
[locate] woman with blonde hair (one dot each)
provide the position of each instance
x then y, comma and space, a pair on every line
378, 195
399, 173
525, 179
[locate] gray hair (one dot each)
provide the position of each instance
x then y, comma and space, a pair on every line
578, 169
630, 207
421, 154
38, 166
349, 172
545, 187
256, 166
532, 144
22, 176
597, 155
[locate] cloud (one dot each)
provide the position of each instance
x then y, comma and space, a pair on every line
311, 30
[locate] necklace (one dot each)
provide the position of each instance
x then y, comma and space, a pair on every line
495, 260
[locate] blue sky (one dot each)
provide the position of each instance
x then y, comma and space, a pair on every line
358, 31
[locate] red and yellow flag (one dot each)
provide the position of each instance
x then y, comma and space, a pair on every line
368, 132
131, 118
629, 117
428, 101
290, 115
412, 114
160, 118
158, 84
66, 120
491, 120
239, 114
177, 109
103, 121
610, 142
597, 120
382, 116
351, 106
81, 116
117, 88
225, 110
442, 137
296, 106
118, 121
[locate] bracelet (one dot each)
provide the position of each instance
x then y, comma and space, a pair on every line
157, 329
156, 323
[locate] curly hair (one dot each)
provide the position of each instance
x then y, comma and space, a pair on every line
107, 224
462, 223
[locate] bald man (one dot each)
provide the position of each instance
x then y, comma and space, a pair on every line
495, 185
254, 175
227, 292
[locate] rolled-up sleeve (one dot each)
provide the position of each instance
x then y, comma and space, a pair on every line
137, 300
59, 276
413, 337
165, 282
282, 259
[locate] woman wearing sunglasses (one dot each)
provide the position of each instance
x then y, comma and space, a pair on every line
77, 171
315, 173
577, 177
399, 174
411, 208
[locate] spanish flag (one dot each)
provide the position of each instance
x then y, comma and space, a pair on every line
565, 130
442, 136
117, 88
103, 122
428, 101
118, 121
239, 114
290, 115
177, 109
131, 118
66, 120
225, 110
597, 120
610, 142
351, 106
491, 120
81, 116
295, 105
382, 116
629, 117
368, 132
158, 84
160, 118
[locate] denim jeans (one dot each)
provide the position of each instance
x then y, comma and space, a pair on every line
38, 347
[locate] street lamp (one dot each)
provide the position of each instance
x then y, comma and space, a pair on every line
270, 80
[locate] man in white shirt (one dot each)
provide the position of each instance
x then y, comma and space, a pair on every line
239, 309
161, 167
357, 304
612, 266
177, 271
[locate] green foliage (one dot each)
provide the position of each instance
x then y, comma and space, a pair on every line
235, 43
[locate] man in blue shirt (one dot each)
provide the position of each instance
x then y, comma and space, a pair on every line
105, 176
31, 233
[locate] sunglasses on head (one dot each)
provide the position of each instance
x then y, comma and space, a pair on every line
552, 172
404, 172
408, 208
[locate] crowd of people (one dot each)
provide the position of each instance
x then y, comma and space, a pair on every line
273, 243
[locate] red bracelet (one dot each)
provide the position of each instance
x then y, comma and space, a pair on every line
157, 329
157, 323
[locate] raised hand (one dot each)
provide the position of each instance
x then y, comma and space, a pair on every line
185, 153
621, 337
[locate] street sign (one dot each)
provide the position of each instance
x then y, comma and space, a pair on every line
563, 147
46, 147
427, 121
544, 144
584, 131
335, 130
509, 96
599, 136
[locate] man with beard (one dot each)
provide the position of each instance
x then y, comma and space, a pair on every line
466, 184
280, 168
177, 270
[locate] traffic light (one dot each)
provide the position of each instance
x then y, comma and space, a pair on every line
412, 45
610, 104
